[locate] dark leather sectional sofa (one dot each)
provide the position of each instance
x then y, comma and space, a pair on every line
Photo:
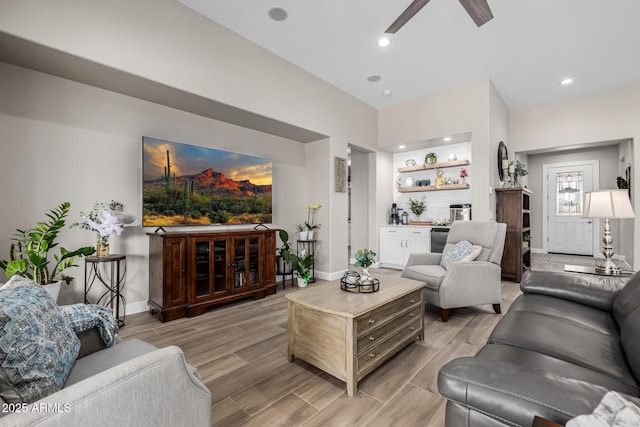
563, 344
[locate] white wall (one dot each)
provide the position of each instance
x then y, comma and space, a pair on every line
605, 116
359, 200
381, 196
65, 141
625, 158
166, 42
498, 131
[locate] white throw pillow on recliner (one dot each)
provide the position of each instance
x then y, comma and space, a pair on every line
613, 411
462, 251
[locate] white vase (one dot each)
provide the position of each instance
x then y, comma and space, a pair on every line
301, 283
310, 234
304, 235
408, 182
53, 289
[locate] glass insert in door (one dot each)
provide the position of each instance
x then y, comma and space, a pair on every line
239, 279
219, 266
569, 193
254, 262
202, 268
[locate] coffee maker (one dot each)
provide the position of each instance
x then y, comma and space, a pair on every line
394, 218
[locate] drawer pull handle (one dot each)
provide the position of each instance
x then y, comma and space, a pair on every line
412, 314
372, 355
412, 300
413, 328
372, 321
372, 338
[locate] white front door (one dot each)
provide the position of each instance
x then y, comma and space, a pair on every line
567, 231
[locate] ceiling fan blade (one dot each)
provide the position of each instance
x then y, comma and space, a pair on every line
478, 10
405, 16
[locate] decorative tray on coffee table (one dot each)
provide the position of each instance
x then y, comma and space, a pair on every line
351, 282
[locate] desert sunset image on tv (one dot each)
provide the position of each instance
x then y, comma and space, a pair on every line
189, 185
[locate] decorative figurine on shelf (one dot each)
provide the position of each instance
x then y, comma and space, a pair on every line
439, 179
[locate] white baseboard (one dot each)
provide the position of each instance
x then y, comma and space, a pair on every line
137, 307
538, 251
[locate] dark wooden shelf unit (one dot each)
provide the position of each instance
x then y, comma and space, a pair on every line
190, 272
513, 208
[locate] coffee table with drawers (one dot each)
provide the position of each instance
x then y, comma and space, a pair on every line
348, 335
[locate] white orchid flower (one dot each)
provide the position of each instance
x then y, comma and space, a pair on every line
108, 224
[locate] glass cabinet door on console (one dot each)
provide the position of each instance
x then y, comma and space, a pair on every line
209, 269
246, 263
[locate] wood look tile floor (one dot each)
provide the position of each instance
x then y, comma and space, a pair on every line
241, 353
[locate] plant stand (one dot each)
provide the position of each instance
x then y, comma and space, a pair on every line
281, 270
113, 281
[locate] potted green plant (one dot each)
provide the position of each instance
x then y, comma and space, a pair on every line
364, 259
430, 158
29, 255
302, 266
301, 229
417, 207
283, 265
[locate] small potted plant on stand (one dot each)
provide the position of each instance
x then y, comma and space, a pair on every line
311, 227
301, 229
29, 256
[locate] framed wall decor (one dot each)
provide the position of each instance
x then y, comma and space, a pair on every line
340, 174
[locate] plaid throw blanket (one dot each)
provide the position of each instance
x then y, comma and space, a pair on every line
83, 317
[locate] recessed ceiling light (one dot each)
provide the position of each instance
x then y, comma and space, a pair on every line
374, 78
448, 138
278, 14
566, 81
384, 41
401, 146
387, 92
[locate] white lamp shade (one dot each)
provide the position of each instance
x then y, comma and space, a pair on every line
607, 204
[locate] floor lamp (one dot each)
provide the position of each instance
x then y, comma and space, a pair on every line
607, 204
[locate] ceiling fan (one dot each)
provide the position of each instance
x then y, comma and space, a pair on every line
478, 10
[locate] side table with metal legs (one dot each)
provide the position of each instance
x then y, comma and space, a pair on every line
112, 277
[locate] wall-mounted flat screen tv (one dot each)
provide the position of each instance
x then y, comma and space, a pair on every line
190, 185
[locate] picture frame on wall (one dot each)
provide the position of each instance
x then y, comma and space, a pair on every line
340, 174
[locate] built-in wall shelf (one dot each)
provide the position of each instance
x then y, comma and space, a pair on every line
433, 188
434, 166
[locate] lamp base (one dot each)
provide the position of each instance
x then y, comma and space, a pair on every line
609, 268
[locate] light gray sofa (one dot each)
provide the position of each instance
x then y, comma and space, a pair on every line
563, 344
132, 383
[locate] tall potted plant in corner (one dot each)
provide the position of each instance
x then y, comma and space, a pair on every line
29, 255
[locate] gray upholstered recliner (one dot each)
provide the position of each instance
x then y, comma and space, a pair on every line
464, 283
